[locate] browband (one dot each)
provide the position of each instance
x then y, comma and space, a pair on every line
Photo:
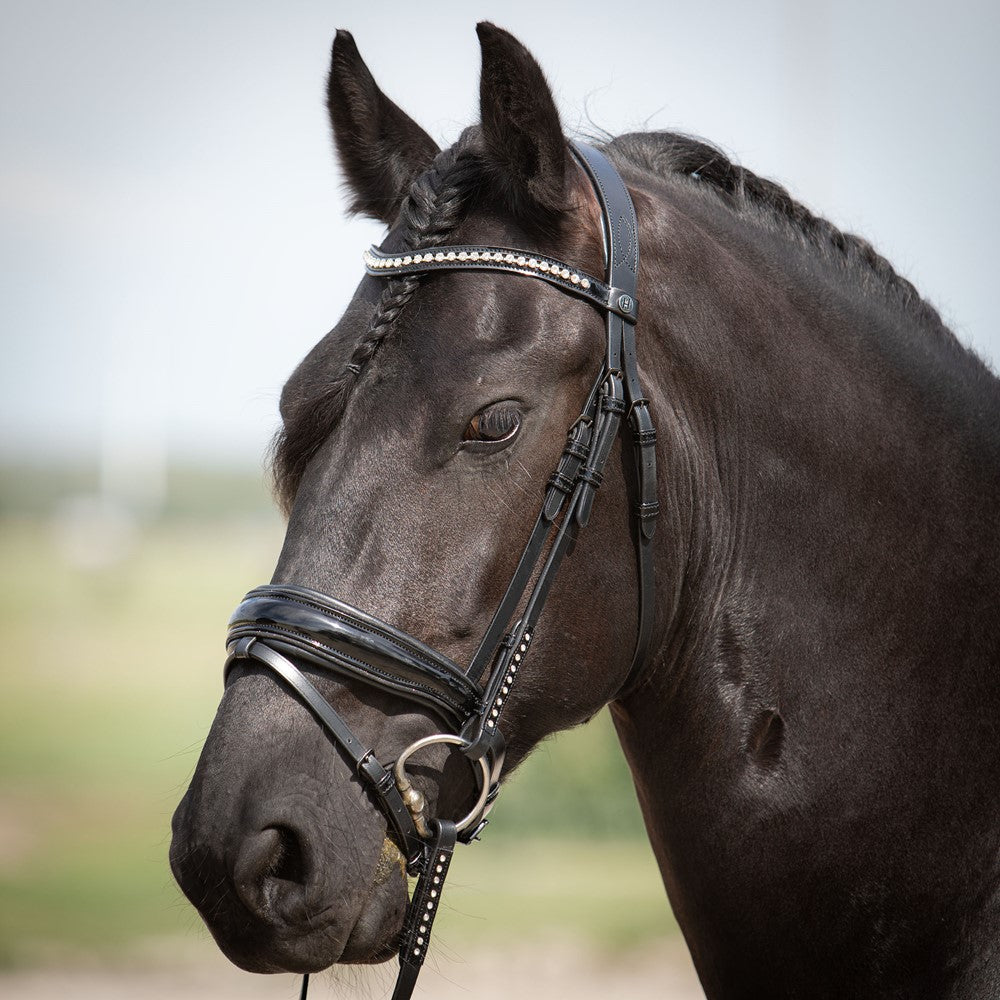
482, 258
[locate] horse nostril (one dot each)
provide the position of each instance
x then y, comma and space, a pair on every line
270, 867
288, 863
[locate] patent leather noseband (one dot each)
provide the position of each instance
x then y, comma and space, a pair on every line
285, 626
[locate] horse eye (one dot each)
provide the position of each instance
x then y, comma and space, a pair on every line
499, 422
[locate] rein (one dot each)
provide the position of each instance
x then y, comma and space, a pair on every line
278, 624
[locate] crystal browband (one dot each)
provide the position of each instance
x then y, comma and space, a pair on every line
483, 258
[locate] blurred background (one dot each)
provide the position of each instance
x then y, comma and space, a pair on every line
172, 241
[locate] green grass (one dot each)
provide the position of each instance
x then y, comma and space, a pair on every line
607, 892
110, 679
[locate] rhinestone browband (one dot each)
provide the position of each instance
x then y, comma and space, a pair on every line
488, 255
483, 258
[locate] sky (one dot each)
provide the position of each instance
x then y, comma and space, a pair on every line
172, 228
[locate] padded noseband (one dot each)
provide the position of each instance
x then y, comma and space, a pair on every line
307, 625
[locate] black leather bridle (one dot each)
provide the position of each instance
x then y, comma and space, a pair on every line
282, 625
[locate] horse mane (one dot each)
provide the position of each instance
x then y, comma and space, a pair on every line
672, 154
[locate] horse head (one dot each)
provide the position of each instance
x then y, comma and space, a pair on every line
417, 445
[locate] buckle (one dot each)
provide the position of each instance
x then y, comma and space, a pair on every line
638, 404
369, 767
475, 833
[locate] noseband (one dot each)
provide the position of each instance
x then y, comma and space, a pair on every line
282, 625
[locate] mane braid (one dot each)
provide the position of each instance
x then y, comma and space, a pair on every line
672, 154
431, 210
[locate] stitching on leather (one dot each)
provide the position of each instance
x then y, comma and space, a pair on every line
435, 668
364, 627
314, 642
348, 661
630, 261
362, 665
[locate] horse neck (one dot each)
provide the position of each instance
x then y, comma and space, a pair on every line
828, 560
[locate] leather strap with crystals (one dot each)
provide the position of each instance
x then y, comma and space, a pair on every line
483, 258
424, 907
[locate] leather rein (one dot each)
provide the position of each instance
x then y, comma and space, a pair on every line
279, 626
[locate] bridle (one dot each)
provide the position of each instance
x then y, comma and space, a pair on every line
278, 624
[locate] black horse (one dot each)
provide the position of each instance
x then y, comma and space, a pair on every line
814, 731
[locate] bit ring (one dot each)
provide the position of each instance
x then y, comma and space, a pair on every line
415, 802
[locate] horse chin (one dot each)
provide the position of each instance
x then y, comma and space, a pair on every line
310, 938
375, 934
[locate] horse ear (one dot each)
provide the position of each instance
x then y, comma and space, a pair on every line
381, 148
524, 143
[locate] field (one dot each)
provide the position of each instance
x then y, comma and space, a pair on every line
112, 668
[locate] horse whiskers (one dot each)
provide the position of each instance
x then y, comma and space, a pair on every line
499, 498
527, 476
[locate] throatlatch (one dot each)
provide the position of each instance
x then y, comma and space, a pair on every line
276, 625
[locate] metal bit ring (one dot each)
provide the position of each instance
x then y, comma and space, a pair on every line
415, 800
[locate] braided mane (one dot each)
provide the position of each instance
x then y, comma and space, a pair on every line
670, 154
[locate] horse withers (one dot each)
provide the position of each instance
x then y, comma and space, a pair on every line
812, 726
